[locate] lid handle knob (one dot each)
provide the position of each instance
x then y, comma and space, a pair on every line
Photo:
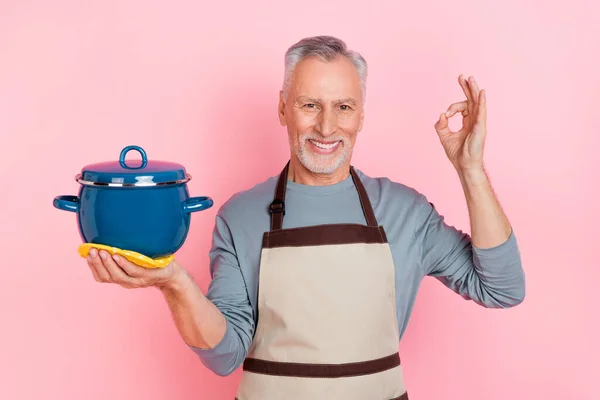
127, 150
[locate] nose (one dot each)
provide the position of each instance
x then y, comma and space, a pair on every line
326, 122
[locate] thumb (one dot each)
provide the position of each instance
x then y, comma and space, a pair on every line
441, 126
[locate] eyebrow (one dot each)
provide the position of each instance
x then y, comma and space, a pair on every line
348, 100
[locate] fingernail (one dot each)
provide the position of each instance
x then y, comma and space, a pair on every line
93, 253
116, 258
103, 255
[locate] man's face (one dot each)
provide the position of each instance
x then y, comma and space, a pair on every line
323, 113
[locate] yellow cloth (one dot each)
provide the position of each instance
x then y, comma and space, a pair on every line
134, 257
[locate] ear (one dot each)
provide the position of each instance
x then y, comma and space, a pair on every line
362, 119
281, 109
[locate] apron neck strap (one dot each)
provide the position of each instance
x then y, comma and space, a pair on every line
364, 199
277, 207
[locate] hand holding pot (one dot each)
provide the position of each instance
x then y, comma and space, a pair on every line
107, 268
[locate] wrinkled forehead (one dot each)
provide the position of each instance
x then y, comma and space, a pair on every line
335, 80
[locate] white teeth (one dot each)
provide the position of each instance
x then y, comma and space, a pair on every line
327, 146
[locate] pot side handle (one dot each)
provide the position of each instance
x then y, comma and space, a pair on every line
67, 203
194, 204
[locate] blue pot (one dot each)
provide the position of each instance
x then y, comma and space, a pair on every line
142, 205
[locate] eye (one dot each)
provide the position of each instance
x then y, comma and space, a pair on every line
310, 105
345, 107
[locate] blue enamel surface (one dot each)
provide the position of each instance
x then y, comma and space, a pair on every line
151, 221
135, 170
194, 204
67, 203
123, 156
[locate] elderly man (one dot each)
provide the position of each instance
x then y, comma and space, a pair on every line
315, 270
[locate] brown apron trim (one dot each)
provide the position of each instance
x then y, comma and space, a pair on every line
364, 199
402, 397
277, 207
321, 370
322, 235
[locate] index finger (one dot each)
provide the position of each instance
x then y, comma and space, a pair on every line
117, 274
456, 107
130, 268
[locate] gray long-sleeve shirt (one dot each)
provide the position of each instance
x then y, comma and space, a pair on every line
422, 244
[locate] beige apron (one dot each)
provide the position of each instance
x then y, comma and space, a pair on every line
327, 325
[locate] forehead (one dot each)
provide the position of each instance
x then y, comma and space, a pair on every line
331, 80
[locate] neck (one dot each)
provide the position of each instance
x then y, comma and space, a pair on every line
299, 174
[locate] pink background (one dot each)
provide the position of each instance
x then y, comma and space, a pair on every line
198, 84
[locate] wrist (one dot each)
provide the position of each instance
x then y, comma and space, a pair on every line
473, 176
176, 281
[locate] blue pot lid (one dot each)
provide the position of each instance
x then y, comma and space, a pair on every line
136, 173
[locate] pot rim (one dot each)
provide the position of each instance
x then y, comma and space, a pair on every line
137, 184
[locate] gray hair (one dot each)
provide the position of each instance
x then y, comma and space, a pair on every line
326, 48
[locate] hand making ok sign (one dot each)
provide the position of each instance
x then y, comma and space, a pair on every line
464, 148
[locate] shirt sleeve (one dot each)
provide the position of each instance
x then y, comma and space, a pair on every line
228, 293
492, 277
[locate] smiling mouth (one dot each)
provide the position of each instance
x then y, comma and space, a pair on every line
325, 147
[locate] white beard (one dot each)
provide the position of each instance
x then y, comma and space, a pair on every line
321, 163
